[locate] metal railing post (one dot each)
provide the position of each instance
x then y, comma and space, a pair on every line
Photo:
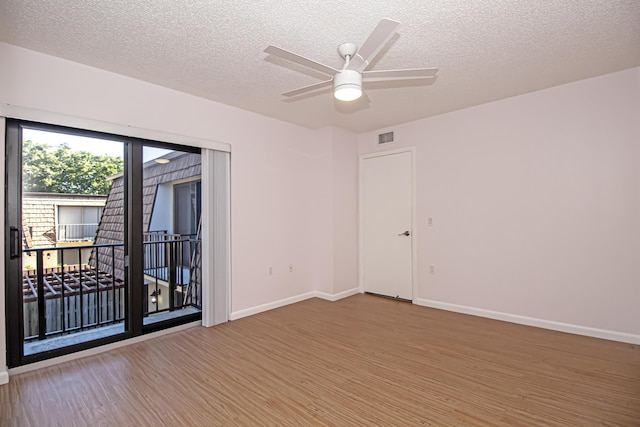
42, 319
172, 271
63, 306
113, 281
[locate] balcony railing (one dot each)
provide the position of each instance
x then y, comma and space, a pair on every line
172, 263
76, 232
82, 295
71, 297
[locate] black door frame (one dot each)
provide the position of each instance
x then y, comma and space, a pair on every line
133, 242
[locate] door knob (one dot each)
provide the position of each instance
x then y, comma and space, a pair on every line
406, 233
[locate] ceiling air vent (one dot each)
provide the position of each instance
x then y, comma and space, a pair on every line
385, 138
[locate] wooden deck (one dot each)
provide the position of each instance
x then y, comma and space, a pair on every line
363, 360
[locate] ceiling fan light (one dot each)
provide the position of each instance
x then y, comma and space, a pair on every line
348, 93
347, 85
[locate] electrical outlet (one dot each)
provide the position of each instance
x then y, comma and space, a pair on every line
290, 268
432, 269
430, 222
270, 271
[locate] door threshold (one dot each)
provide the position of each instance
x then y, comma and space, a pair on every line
97, 350
56, 342
396, 298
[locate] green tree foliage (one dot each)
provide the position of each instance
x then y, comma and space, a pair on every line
61, 170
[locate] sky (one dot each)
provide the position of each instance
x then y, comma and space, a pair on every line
81, 143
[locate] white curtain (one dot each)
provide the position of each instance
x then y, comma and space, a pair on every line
216, 271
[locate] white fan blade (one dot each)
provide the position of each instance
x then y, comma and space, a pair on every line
409, 73
309, 88
294, 57
374, 44
418, 80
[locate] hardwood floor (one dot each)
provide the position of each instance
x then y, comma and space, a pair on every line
363, 360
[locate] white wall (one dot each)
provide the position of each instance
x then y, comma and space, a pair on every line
535, 203
337, 205
162, 209
281, 174
345, 210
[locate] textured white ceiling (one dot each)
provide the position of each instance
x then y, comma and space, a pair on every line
485, 49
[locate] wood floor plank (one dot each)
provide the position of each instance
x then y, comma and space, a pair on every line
363, 360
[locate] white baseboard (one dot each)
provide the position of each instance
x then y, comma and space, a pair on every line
338, 296
531, 321
4, 376
269, 306
291, 300
96, 350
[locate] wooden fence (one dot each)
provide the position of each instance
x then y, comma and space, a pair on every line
75, 312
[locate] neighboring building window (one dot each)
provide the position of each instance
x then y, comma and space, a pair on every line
78, 223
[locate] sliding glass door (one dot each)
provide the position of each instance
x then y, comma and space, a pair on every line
104, 242
172, 234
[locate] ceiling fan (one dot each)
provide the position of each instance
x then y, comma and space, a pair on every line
347, 82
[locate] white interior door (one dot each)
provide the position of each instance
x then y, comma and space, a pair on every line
386, 214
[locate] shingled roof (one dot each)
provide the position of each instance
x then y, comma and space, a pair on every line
111, 228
